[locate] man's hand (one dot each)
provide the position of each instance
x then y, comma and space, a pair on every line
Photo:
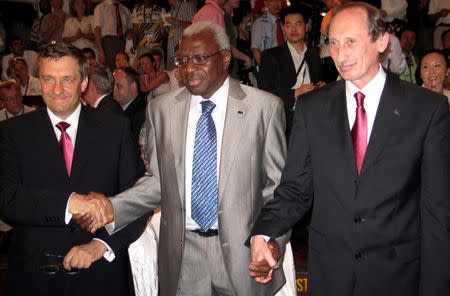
264, 259
83, 256
92, 211
307, 87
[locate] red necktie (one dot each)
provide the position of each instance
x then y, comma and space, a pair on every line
66, 145
359, 131
280, 36
119, 30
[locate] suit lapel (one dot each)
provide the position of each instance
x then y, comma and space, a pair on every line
85, 140
179, 114
288, 57
340, 130
46, 141
235, 118
382, 127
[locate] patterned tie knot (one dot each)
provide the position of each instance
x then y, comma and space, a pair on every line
62, 126
359, 96
207, 106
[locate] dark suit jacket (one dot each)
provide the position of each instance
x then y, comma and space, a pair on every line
34, 192
136, 113
110, 105
385, 232
277, 75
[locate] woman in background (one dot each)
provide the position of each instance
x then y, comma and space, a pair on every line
153, 81
434, 71
78, 28
52, 24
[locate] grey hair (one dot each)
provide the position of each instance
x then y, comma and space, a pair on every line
217, 31
101, 78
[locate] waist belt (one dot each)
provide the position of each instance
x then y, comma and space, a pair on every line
208, 233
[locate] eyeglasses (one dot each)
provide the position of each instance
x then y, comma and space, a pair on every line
53, 263
196, 59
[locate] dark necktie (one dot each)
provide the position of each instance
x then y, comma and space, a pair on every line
204, 170
359, 131
119, 30
66, 145
280, 36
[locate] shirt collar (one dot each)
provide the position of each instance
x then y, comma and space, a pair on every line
217, 98
292, 49
72, 119
214, 3
373, 87
99, 100
10, 115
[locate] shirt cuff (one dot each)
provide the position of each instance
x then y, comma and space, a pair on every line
266, 238
68, 215
109, 253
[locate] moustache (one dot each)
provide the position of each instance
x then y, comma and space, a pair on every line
343, 64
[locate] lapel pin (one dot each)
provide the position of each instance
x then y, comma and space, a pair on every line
397, 112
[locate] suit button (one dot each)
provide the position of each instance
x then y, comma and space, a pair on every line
357, 219
72, 229
358, 256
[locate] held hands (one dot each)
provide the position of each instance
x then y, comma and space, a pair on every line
264, 259
91, 211
83, 256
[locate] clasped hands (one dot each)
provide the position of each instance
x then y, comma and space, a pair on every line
265, 258
91, 211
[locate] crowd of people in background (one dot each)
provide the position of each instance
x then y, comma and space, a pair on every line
144, 35
277, 46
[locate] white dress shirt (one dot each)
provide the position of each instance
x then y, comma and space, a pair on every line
4, 114
105, 18
372, 92
395, 60
72, 132
33, 87
220, 99
297, 57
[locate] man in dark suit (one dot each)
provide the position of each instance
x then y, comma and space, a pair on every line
292, 69
126, 93
98, 93
38, 176
380, 220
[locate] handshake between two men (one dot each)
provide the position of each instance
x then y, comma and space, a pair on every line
91, 211
94, 210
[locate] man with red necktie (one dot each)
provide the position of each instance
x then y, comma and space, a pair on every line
370, 155
47, 155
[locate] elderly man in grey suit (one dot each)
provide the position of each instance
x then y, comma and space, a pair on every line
216, 150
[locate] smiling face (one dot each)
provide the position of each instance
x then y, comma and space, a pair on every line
353, 51
203, 80
61, 84
433, 69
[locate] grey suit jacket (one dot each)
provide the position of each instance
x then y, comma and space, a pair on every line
252, 158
